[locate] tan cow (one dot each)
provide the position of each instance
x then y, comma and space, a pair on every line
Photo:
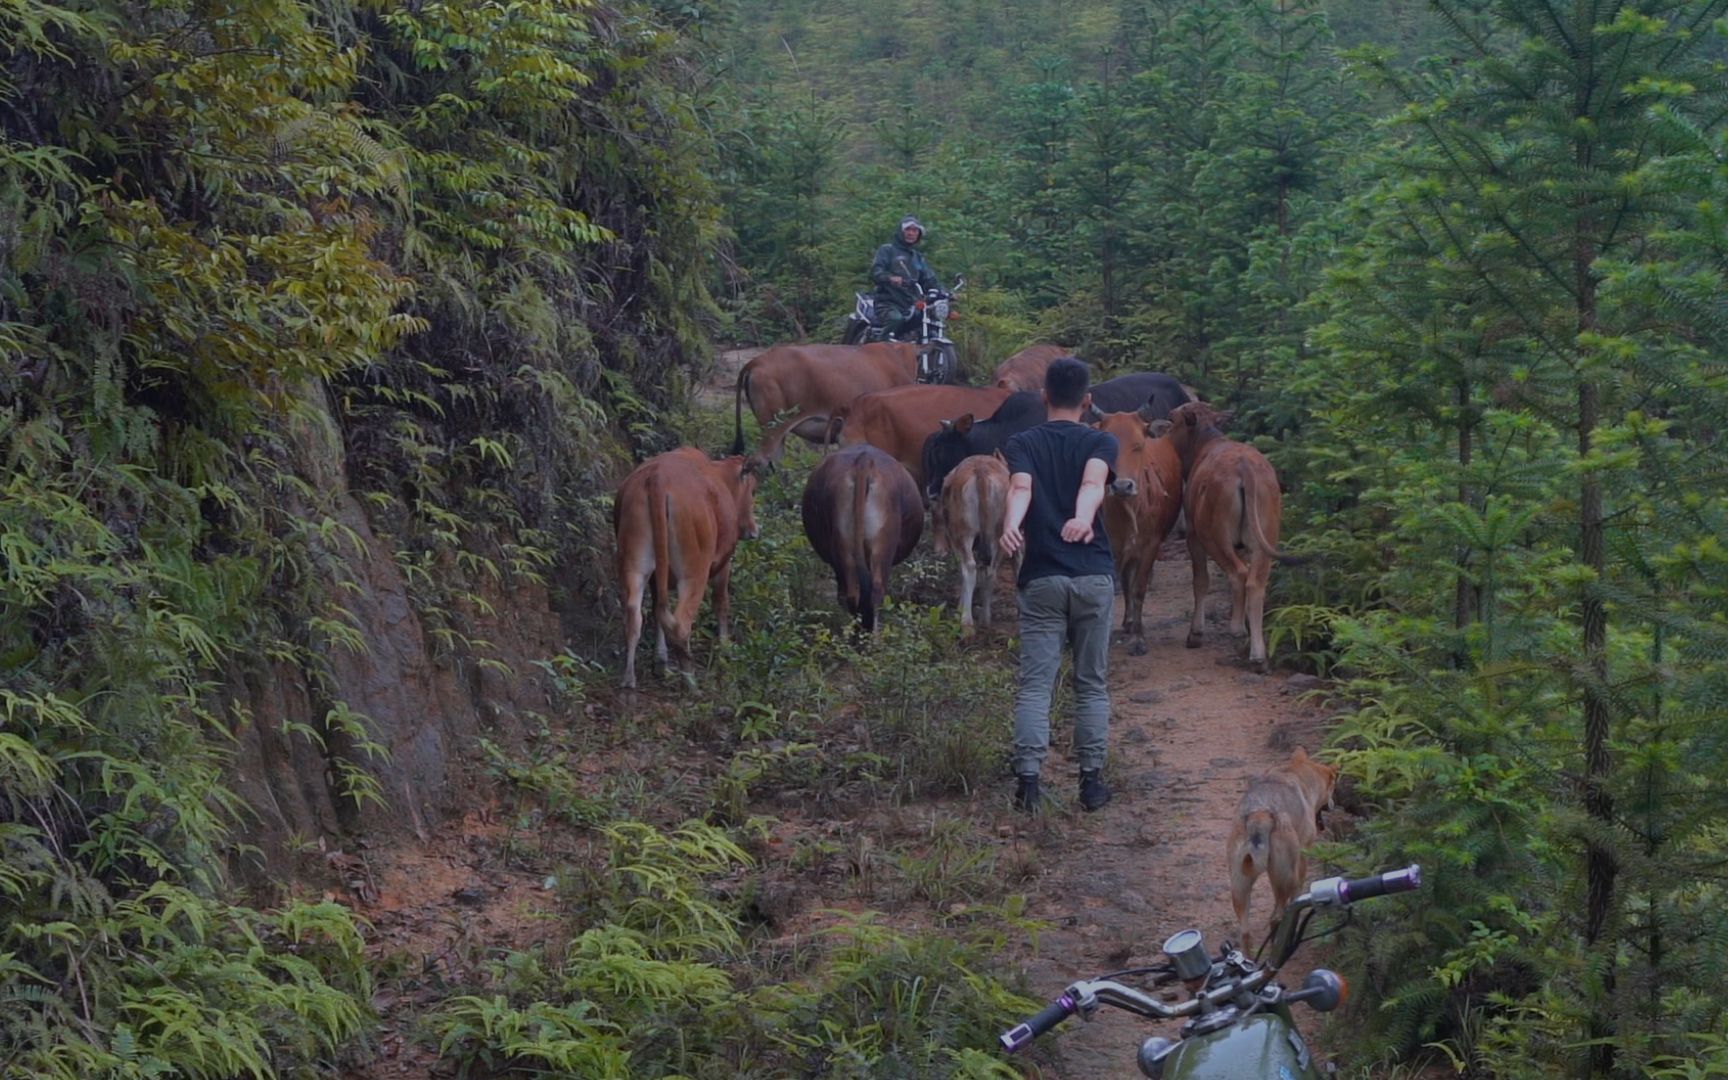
899, 420
1234, 507
678, 518
863, 515
1140, 509
967, 520
804, 384
1025, 369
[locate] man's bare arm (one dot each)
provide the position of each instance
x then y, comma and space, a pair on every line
1079, 528
1019, 501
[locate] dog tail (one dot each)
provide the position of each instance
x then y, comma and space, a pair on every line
1260, 825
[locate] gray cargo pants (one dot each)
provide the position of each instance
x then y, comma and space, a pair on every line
1054, 610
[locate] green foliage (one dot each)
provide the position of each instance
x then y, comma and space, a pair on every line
1513, 587
890, 1004
258, 259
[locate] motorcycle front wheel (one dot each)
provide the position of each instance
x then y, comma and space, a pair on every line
856, 331
938, 364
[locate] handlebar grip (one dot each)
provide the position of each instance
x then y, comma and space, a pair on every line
1051, 1015
1393, 881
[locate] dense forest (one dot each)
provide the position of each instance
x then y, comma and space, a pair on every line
329, 326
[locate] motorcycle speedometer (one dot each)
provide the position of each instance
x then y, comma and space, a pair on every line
1187, 951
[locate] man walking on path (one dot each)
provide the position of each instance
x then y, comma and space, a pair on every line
1067, 580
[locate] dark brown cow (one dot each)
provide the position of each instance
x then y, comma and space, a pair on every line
1233, 504
1025, 369
967, 520
899, 420
863, 515
1140, 509
678, 518
804, 384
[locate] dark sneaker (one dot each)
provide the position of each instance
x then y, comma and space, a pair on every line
1094, 793
1026, 795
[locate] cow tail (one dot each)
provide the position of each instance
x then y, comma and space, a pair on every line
939, 524
1251, 515
738, 393
662, 530
984, 543
1252, 520
864, 571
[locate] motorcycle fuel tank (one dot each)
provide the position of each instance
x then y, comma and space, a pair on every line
1266, 1046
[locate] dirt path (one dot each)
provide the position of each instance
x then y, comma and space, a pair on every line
1189, 728
717, 392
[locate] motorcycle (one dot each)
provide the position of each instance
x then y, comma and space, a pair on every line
1240, 1025
937, 360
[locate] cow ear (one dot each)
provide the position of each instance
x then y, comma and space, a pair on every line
998, 455
947, 425
1146, 412
1190, 417
1159, 428
749, 466
964, 424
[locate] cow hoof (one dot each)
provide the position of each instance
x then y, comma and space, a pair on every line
1193, 641
1137, 647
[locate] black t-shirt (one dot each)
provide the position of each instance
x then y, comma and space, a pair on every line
1055, 454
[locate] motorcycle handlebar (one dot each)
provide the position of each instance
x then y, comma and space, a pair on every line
1048, 1017
1329, 892
1393, 881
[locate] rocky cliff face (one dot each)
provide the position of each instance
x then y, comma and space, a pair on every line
424, 710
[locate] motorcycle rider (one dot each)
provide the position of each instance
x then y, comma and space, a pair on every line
901, 274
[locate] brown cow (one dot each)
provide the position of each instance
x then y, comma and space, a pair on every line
1025, 369
1142, 506
804, 384
863, 515
1233, 504
967, 521
678, 518
899, 420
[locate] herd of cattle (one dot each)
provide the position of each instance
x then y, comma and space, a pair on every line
902, 447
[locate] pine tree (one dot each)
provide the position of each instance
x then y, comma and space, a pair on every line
1512, 275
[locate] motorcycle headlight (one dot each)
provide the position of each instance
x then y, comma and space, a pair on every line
941, 309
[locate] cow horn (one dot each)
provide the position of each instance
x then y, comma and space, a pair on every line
947, 425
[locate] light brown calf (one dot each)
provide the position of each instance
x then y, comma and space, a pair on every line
678, 518
967, 520
898, 421
1140, 509
1233, 505
804, 384
863, 515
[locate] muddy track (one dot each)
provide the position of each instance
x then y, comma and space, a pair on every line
1189, 727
